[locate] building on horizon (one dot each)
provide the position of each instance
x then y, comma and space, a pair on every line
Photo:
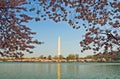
59, 47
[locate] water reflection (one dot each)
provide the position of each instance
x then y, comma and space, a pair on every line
58, 70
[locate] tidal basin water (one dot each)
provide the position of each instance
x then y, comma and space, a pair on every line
15, 70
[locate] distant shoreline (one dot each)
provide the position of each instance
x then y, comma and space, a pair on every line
51, 62
69, 60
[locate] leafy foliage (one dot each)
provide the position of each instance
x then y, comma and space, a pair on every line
100, 19
71, 57
15, 37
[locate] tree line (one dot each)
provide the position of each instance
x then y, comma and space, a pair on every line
69, 57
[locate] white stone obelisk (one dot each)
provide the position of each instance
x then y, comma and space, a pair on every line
59, 47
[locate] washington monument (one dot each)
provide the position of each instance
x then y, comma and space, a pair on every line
59, 47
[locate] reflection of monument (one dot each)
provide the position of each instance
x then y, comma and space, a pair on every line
59, 47
58, 71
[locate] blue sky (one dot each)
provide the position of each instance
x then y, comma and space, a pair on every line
48, 32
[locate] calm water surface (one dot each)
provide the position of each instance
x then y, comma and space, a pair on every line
59, 70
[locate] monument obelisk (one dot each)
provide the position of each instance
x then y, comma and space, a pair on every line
58, 47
